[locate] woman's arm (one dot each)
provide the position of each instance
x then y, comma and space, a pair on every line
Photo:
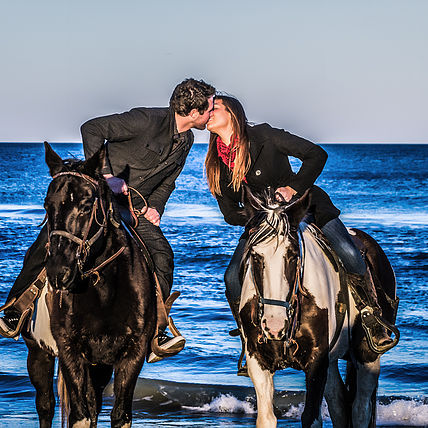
313, 158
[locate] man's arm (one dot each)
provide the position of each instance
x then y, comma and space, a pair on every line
114, 129
161, 194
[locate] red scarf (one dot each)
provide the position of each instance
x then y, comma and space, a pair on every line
227, 153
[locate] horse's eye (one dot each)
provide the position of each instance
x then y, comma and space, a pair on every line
85, 209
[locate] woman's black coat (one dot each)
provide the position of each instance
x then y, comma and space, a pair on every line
269, 151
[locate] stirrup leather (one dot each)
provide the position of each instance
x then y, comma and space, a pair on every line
369, 320
242, 368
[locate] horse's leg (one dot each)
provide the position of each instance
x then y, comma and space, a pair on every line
364, 407
76, 376
126, 373
100, 376
336, 397
263, 384
316, 377
40, 367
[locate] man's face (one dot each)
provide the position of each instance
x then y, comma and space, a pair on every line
201, 120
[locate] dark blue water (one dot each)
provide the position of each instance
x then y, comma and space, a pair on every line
381, 189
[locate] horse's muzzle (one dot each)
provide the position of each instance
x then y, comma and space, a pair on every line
274, 328
63, 278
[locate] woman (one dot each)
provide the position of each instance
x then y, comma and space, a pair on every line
258, 156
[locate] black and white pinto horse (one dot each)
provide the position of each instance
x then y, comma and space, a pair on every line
97, 313
296, 314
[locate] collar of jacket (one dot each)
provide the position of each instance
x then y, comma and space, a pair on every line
173, 131
172, 125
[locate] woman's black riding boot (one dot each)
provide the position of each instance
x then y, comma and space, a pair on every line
364, 293
234, 306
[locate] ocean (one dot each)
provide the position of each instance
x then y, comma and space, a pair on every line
380, 188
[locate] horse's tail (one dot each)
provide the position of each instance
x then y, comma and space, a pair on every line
64, 403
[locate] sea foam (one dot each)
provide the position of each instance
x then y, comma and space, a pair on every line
397, 413
226, 403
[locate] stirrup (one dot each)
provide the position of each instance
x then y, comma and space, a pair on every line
156, 349
14, 334
243, 371
370, 320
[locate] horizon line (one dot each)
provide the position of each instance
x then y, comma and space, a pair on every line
206, 142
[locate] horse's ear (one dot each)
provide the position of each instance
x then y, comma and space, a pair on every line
251, 203
298, 209
95, 163
53, 161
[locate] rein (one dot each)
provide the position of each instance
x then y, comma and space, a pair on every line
84, 243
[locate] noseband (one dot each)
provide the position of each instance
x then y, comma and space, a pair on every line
85, 244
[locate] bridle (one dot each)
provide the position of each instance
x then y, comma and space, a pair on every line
291, 304
85, 243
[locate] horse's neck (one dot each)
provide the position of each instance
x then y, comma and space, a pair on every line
319, 277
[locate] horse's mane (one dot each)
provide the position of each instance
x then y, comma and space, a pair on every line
269, 219
79, 165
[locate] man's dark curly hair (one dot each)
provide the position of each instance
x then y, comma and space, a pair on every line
190, 94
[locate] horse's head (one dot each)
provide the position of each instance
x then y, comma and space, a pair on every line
76, 216
272, 255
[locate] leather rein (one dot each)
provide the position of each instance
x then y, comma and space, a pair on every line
85, 243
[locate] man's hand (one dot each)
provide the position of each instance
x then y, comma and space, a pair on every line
153, 216
286, 192
117, 185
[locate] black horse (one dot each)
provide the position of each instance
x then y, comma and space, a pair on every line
97, 312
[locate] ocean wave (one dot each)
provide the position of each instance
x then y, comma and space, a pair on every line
399, 412
160, 396
207, 212
225, 404
403, 412
390, 218
415, 313
13, 210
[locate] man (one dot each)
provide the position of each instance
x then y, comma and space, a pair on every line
146, 149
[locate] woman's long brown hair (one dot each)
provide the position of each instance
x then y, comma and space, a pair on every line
242, 158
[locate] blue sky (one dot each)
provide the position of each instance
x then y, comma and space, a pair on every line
331, 71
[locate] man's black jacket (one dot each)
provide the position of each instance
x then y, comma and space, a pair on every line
269, 151
143, 148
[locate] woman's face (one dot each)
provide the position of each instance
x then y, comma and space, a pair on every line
219, 118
